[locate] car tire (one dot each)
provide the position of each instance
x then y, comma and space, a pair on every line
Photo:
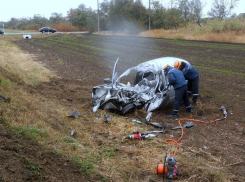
43, 31
128, 108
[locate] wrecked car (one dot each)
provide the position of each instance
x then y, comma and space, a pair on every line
146, 88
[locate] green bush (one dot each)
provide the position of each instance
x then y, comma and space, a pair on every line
235, 24
216, 26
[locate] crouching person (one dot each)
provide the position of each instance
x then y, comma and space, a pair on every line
192, 75
177, 79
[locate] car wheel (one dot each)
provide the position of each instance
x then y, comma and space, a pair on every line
128, 108
43, 31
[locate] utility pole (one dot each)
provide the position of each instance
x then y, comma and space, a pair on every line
149, 15
98, 17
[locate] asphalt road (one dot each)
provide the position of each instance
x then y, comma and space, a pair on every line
28, 33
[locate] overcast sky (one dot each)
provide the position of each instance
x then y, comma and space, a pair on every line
28, 8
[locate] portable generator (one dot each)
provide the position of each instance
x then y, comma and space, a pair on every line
168, 168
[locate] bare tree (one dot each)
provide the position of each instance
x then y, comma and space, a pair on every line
159, 12
175, 13
196, 9
222, 8
56, 18
184, 7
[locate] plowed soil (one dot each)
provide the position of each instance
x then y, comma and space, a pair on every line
83, 61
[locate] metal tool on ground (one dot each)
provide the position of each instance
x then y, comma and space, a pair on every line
157, 125
138, 136
156, 131
168, 168
187, 125
136, 121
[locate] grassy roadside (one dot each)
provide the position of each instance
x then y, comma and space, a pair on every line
44, 121
21, 64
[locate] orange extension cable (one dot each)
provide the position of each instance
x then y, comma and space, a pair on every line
172, 141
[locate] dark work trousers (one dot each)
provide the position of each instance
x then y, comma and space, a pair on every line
192, 87
181, 93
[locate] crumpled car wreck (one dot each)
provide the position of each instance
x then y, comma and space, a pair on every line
148, 88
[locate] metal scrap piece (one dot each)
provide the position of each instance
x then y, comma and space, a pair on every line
107, 118
148, 117
74, 114
72, 132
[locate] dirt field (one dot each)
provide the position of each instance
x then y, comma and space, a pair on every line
83, 61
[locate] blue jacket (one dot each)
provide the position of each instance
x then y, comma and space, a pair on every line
176, 77
190, 72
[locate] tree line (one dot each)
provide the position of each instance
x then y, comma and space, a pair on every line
129, 16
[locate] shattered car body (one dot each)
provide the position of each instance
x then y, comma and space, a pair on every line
149, 88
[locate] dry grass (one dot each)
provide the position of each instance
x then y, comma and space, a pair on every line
19, 63
127, 161
233, 37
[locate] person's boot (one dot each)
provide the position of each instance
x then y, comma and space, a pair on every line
172, 116
193, 104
